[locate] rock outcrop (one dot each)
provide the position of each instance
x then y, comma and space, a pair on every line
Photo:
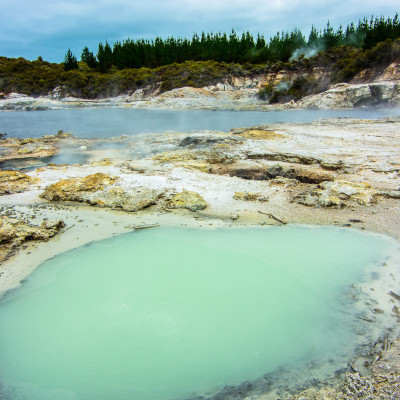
222, 97
32, 152
249, 196
206, 141
100, 190
180, 158
345, 95
186, 199
240, 94
338, 194
33, 149
128, 200
73, 189
198, 165
14, 232
255, 171
256, 133
176, 156
15, 182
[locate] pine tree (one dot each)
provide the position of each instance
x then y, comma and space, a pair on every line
232, 48
70, 61
104, 57
313, 39
88, 57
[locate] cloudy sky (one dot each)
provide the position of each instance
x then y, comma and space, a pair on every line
47, 28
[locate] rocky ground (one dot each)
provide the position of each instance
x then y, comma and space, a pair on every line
242, 95
382, 381
342, 172
323, 172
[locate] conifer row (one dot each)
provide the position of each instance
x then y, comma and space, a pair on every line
235, 48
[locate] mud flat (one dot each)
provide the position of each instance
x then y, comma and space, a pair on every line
341, 172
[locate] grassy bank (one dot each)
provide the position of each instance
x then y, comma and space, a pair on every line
38, 78
341, 64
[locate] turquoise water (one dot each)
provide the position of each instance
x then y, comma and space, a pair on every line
111, 122
172, 313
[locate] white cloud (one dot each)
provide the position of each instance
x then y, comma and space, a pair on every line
52, 23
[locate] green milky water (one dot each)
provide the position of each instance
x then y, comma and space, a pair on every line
171, 313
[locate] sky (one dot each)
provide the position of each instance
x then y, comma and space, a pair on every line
47, 28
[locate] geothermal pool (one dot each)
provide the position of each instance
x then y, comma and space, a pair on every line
172, 313
111, 122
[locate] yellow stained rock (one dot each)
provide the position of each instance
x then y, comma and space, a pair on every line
174, 156
14, 232
15, 182
259, 134
67, 189
195, 165
186, 199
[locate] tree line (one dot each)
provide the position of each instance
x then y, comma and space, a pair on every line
234, 48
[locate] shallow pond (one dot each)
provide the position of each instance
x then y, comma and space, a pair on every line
111, 122
172, 313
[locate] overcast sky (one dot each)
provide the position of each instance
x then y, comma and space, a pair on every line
47, 28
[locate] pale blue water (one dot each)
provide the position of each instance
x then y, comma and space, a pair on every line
111, 122
173, 313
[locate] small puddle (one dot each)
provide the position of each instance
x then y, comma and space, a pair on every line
173, 313
68, 156
24, 164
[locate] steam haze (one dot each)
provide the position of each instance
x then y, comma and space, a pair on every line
30, 29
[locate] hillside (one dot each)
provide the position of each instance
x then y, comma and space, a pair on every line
273, 83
